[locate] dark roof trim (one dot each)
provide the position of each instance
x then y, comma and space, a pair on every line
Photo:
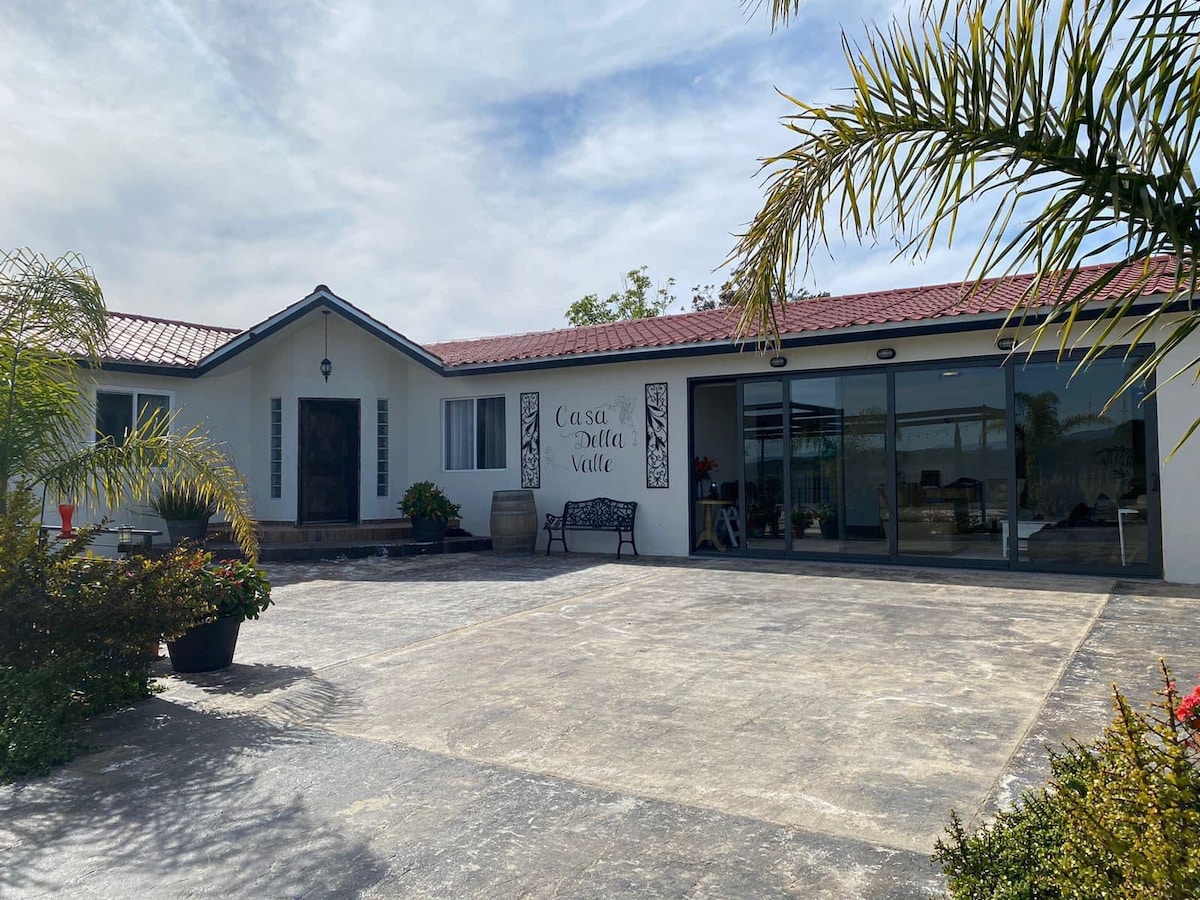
320, 298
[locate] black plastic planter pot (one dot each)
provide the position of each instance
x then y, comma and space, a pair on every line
428, 531
206, 648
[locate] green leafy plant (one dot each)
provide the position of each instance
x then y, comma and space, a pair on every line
638, 299
233, 588
179, 503
74, 634
1120, 818
426, 500
801, 519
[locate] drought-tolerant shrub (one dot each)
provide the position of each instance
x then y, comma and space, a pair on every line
75, 635
1120, 817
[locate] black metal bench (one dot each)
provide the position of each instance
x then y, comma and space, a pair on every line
597, 514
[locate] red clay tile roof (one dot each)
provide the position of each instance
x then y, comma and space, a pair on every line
901, 305
143, 339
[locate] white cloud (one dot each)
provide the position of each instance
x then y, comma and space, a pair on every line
214, 162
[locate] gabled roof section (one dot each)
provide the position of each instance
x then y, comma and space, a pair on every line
903, 306
161, 342
320, 298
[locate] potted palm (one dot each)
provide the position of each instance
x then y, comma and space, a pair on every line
227, 593
186, 512
429, 509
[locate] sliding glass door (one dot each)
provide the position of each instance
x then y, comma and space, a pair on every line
1082, 489
838, 463
1008, 462
952, 462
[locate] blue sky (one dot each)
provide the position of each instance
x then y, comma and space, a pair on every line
456, 170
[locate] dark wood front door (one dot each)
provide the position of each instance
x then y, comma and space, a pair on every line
329, 461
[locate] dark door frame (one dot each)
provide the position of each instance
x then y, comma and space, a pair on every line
355, 498
1153, 567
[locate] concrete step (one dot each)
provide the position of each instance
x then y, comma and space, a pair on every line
367, 533
295, 551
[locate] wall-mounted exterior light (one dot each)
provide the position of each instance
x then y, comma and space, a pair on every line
1006, 344
885, 353
778, 362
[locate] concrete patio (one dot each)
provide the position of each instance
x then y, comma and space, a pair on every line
478, 725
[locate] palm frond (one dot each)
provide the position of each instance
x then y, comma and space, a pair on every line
1076, 124
154, 457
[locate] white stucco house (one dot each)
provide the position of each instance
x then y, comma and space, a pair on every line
889, 427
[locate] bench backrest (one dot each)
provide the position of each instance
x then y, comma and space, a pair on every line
600, 512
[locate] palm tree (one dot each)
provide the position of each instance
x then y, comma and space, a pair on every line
1086, 114
53, 333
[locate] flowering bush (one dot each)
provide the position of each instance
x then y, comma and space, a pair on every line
705, 465
1120, 817
426, 500
75, 634
226, 589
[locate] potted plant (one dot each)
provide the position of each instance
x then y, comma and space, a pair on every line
429, 509
185, 511
228, 593
828, 517
801, 519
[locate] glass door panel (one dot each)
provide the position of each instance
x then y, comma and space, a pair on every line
1081, 472
952, 462
763, 459
838, 461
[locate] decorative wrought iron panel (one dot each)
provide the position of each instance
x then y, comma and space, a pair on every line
531, 441
657, 470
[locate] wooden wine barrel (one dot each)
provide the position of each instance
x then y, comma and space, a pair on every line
514, 521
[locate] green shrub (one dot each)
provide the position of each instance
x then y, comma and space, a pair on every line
426, 500
75, 635
1119, 819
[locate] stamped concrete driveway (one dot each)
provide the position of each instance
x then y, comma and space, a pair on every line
486, 726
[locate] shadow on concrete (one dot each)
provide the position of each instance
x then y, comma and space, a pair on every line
179, 805
295, 695
1158, 589
247, 680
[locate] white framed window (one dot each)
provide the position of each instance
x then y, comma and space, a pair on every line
473, 434
118, 411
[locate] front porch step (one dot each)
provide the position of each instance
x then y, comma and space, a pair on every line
368, 533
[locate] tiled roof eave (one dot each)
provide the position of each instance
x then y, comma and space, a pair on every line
955, 322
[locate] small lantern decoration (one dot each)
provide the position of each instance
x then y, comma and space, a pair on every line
326, 365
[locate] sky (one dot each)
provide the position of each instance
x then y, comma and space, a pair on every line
455, 170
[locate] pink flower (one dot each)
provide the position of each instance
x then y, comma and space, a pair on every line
1188, 710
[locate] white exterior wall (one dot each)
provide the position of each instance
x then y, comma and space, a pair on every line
287, 365
663, 514
1178, 407
234, 401
618, 391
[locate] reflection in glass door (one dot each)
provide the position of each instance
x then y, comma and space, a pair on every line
838, 459
763, 454
952, 462
1081, 470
